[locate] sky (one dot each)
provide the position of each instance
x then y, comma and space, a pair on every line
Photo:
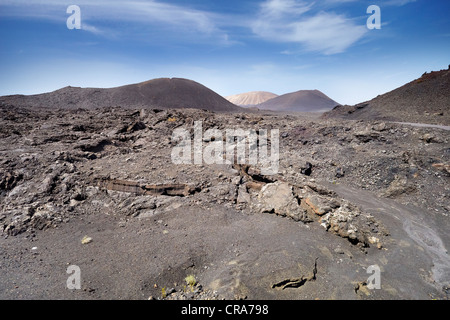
230, 46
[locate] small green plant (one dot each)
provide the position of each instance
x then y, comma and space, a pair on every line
163, 292
190, 280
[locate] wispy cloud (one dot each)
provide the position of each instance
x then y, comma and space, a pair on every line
154, 11
380, 2
273, 9
138, 12
286, 21
93, 29
339, 1
397, 2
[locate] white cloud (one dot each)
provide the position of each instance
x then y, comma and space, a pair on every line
141, 12
279, 8
380, 3
339, 1
93, 29
285, 21
397, 2
154, 11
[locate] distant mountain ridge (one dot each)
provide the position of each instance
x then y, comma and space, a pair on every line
163, 93
300, 101
424, 100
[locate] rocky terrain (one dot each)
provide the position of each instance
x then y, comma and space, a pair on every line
250, 99
300, 101
424, 100
97, 188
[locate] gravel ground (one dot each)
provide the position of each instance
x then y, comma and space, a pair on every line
373, 193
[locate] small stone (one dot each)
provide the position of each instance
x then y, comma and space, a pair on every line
243, 195
379, 127
374, 240
170, 291
307, 169
86, 240
73, 203
236, 180
340, 172
339, 250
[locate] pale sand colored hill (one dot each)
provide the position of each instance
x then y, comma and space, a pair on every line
251, 98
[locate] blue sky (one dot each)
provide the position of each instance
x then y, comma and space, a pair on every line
230, 46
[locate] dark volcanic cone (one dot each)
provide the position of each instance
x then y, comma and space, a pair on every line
424, 100
300, 101
161, 93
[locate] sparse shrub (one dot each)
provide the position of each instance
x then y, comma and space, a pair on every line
190, 280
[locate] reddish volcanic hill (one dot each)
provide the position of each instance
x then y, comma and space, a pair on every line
424, 100
161, 93
300, 101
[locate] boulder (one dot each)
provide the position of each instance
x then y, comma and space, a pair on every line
430, 138
365, 136
279, 198
399, 186
320, 205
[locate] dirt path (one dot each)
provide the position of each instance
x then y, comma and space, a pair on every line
425, 125
417, 229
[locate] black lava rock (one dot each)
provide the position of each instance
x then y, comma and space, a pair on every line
340, 172
307, 169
